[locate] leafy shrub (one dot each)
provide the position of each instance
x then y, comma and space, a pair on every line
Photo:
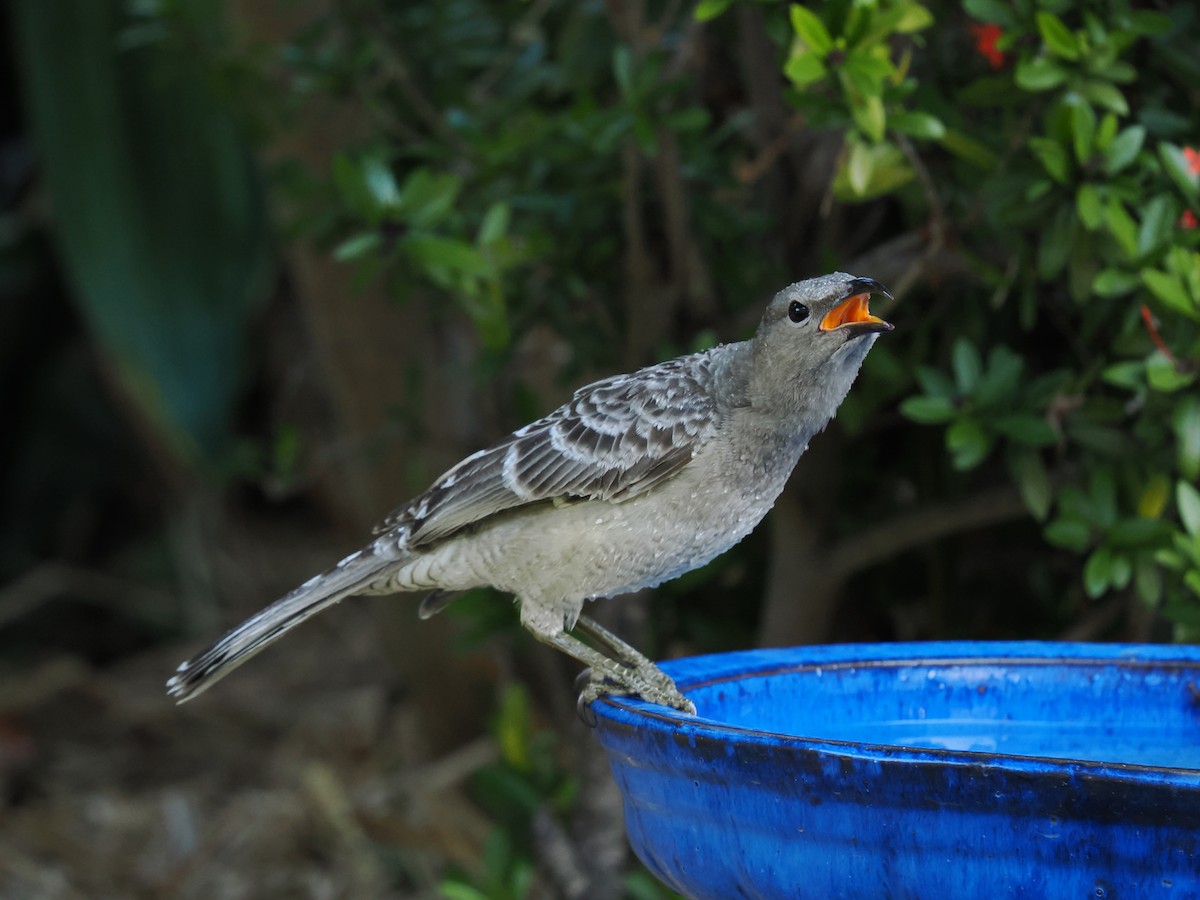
1054, 158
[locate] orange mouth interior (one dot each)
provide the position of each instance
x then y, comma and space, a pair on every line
848, 312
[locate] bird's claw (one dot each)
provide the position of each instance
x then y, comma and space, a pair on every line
592, 687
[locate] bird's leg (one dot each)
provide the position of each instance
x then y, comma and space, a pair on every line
630, 656
625, 678
626, 653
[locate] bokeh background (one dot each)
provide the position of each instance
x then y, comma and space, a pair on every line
269, 267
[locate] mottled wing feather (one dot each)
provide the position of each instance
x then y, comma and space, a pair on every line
614, 440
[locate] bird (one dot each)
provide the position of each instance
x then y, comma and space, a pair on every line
634, 481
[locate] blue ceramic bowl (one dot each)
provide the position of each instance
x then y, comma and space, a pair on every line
937, 770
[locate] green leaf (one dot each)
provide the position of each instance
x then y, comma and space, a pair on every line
1170, 290
1187, 501
1150, 23
1027, 429
1153, 498
450, 253
865, 72
1097, 572
1032, 480
928, 410
1057, 36
160, 215
455, 890
1089, 206
1106, 132
1186, 422
429, 197
1103, 494
967, 366
623, 69
1186, 264
913, 17
707, 10
859, 167
1106, 441
810, 29
357, 245
918, 125
1115, 283
1000, 377
495, 223
935, 383
1164, 375
968, 444
804, 68
643, 131
689, 119
1083, 129
1120, 572
1147, 580
1122, 227
871, 170
1082, 265
969, 149
1192, 580
1048, 388
350, 187
1164, 122
1158, 224
1124, 149
1037, 189
1139, 531
1176, 166
1039, 74
1070, 534
1055, 245
1129, 374
870, 116
1075, 504
991, 11
1105, 94
1119, 72
1175, 559
1053, 157
380, 183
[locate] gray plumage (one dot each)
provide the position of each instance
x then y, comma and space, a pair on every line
636, 480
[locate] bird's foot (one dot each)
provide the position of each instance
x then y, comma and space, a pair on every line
653, 686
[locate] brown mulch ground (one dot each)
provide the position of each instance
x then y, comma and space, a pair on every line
265, 787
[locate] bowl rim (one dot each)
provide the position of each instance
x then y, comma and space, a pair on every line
630, 714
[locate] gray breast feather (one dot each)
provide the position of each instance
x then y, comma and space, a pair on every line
615, 439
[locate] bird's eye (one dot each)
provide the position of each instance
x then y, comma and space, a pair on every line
797, 311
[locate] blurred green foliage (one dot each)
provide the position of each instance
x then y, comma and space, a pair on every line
160, 213
496, 177
1078, 213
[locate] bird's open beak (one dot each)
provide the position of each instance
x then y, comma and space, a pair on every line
853, 313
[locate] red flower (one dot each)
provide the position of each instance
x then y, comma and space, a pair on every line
1188, 220
986, 37
1192, 155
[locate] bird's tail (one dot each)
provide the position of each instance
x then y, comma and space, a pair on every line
353, 575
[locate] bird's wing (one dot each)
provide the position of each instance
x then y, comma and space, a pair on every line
614, 440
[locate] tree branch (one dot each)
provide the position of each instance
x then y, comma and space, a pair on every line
910, 530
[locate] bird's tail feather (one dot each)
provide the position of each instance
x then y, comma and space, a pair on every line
351, 576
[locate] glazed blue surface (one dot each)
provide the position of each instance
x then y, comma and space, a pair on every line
954, 769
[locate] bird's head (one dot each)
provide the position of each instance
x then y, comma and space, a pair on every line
812, 340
